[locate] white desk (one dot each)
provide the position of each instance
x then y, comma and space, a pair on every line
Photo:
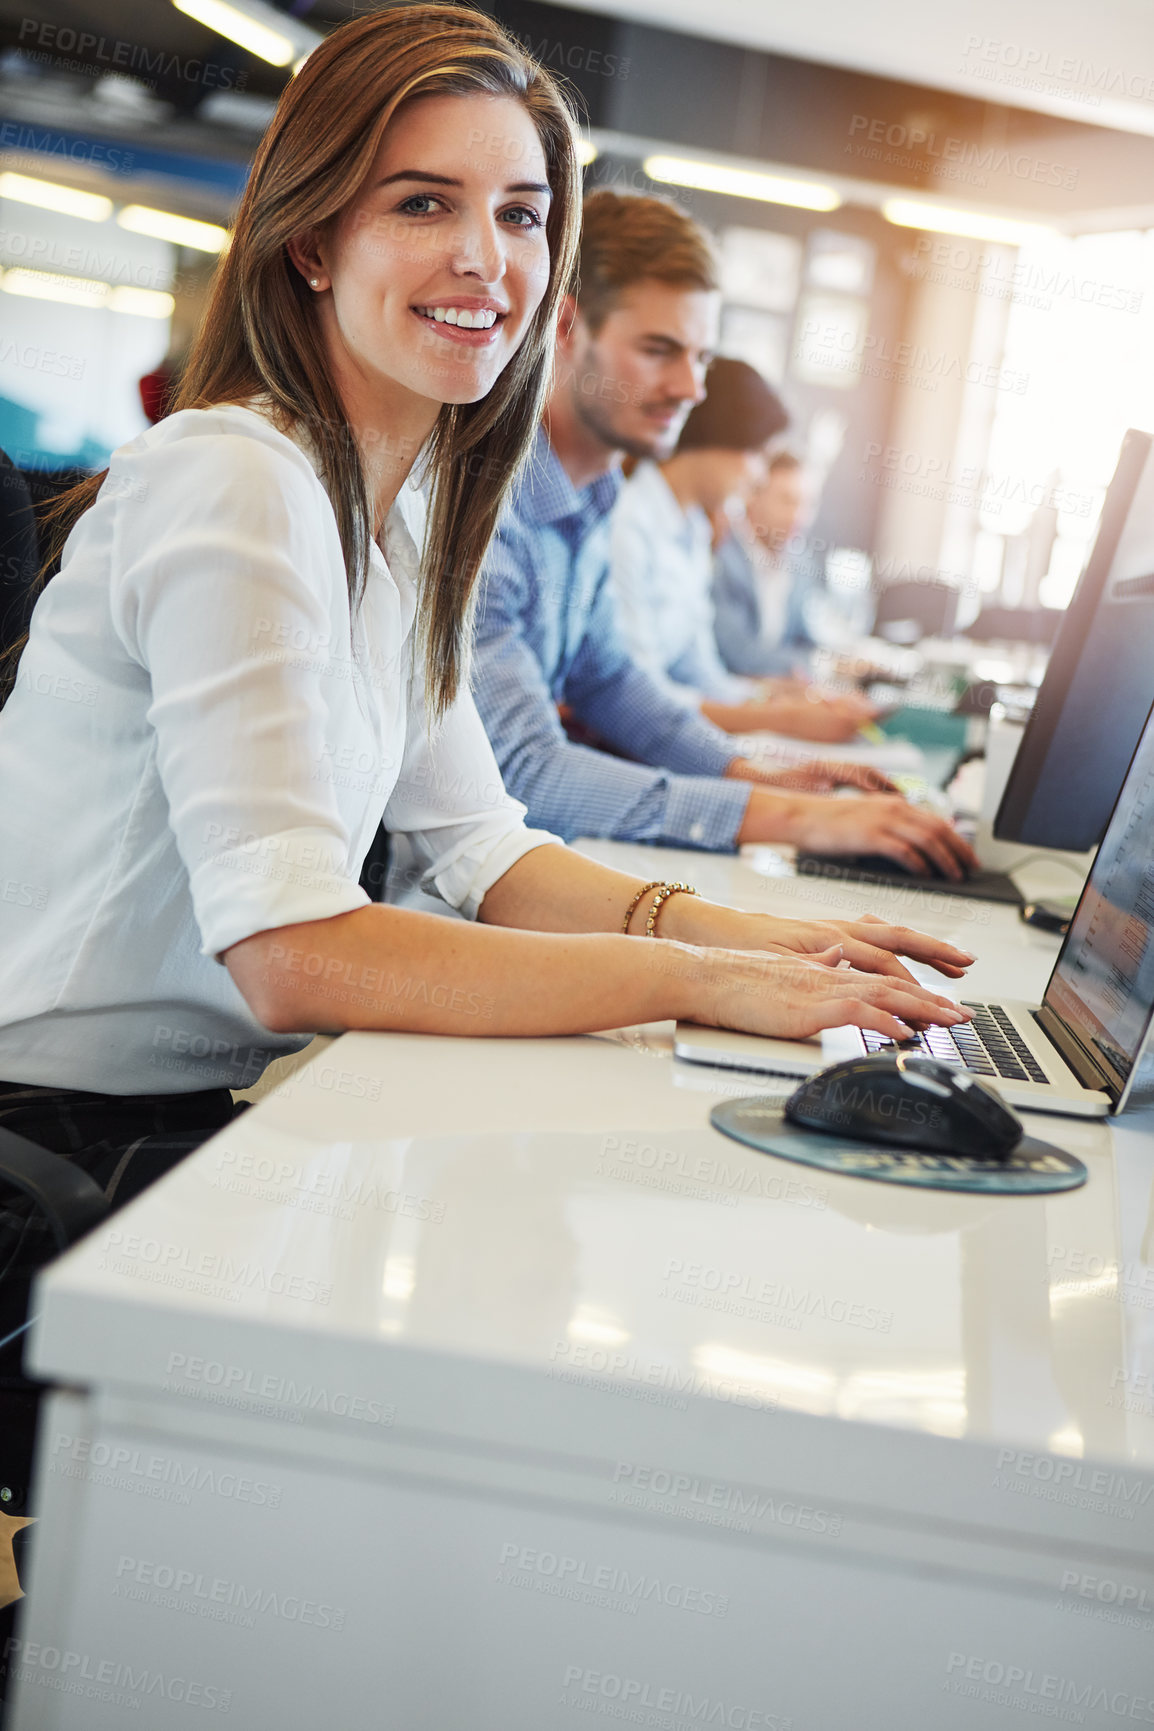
481, 1384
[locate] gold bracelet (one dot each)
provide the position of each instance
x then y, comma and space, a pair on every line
659, 902
657, 884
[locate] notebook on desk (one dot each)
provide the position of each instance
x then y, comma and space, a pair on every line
1078, 1052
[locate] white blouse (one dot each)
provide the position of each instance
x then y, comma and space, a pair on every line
199, 747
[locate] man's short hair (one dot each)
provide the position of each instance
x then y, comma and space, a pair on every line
628, 238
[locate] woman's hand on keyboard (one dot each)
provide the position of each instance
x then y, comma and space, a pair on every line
870, 944
791, 997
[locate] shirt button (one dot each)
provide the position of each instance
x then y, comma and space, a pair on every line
697, 832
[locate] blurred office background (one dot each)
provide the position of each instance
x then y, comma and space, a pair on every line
937, 233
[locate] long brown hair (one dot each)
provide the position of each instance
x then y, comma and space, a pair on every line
260, 335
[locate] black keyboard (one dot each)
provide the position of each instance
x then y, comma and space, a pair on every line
980, 886
990, 1045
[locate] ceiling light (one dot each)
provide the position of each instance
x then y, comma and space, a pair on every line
46, 193
741, 182
144, 303
244, 27
972, 224
76, 291
180, 230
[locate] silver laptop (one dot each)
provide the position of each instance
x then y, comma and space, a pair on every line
1078, 1051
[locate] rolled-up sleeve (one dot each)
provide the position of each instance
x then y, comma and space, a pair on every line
225, 597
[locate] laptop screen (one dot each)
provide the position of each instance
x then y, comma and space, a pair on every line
1102, 986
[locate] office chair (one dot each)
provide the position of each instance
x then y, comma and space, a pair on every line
1015, 625
42, 1184
19, 552
50, 1192
38, 1189
25, 494
908, 610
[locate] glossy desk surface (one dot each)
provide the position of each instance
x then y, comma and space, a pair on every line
563, 1207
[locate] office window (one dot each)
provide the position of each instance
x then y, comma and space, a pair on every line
1078, 369
760, 273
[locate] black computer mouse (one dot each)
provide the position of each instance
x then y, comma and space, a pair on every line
909, 1102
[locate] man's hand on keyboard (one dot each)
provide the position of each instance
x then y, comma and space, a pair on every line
821, 776
829, 717
916, 839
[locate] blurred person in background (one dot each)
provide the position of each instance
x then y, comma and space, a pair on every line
661, 559
759, 582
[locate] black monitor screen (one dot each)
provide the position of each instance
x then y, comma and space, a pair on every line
1099, 684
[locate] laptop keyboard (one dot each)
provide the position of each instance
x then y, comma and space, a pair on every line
990, 1045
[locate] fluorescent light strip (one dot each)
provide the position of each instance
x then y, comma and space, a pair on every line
970, 224
78, 291
26, 189
141, 303
241, 27
92, 207
180, 230
740, 182
75, 291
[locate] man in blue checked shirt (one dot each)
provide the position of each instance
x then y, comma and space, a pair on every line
632, 355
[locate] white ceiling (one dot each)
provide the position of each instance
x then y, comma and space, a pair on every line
1088, 60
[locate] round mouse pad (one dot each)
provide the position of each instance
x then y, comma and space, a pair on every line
1030, 1169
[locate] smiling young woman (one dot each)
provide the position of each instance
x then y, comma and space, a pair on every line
369, 182
270, 639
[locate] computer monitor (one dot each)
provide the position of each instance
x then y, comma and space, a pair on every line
1099, 684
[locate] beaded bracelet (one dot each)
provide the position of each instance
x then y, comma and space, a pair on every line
657, 884
659, 902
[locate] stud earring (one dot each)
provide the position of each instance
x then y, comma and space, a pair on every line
314, 282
